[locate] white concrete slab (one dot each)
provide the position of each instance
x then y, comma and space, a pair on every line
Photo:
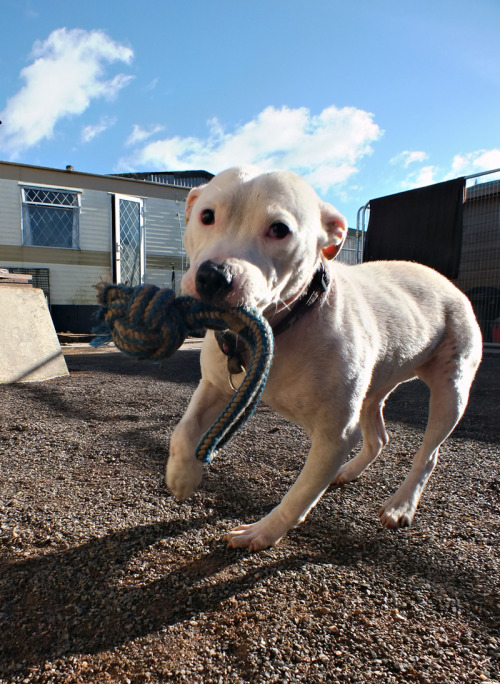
29, 348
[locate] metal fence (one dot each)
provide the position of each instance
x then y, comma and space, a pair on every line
479, 271
479, 274
352, 250
40, 278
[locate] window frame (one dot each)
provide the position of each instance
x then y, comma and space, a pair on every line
75, 209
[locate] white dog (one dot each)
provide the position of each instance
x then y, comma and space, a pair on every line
350, 335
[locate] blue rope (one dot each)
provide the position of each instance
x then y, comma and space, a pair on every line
148, 323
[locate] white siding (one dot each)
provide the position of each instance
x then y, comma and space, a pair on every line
95, 217
163, 278
10, 213
71, 284
164, 224
74, 284
164, 230
95, 221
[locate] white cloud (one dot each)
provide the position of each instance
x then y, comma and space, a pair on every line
140, 134
418, 179
406, 158
475, 162
152, 84
466, 164
66, 74
91, 131
325, 148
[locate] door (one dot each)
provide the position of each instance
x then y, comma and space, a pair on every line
129, 240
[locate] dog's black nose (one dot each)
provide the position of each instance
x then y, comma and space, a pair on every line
213, 281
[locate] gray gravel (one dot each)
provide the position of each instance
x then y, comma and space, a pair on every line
105, 578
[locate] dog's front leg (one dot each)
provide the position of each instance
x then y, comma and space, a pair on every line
184, 471
319, 469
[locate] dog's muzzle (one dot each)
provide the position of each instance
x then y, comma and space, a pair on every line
213, 281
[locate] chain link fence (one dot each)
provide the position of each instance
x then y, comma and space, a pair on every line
479, 270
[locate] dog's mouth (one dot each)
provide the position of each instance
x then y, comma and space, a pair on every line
229, 284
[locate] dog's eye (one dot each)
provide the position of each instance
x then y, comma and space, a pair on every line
278, 230
207, 217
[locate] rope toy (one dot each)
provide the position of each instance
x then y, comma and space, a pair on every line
148, 323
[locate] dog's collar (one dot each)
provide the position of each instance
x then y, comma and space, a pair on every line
317, 286
232, 346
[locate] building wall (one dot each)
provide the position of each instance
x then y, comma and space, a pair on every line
164, 229
74, 272
95, 221
10, 214
480, 258
479, 274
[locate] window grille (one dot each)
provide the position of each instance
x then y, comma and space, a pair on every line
51, 217
40, 278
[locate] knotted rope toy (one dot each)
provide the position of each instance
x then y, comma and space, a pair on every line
148, 323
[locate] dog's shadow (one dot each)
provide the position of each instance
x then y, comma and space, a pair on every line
84, 600
51, 604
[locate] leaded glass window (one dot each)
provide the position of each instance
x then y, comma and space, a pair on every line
51, 217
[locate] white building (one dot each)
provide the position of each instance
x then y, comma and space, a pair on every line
71, 230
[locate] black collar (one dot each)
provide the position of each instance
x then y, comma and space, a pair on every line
317, 286
233, 347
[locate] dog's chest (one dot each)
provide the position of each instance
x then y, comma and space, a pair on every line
295, 390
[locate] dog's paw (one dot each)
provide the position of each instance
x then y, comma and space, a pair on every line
256, 536
183, 477
345, 474
396, 513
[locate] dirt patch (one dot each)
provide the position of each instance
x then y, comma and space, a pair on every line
105, 578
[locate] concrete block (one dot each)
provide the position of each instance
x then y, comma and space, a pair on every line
29, 348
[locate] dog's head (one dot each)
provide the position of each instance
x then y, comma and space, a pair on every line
255, 238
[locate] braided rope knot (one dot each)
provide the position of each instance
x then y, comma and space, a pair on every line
148, 323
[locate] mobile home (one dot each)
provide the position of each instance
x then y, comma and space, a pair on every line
70, 230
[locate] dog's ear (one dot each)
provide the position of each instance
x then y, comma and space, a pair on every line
335, 227
193, 195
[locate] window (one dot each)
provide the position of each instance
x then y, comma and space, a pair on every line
51, 217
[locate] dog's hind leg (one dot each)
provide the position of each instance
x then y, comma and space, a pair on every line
374, 439
449, 384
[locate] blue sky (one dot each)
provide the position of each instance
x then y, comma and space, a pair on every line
363, 98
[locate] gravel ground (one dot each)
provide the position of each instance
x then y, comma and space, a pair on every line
105, 578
